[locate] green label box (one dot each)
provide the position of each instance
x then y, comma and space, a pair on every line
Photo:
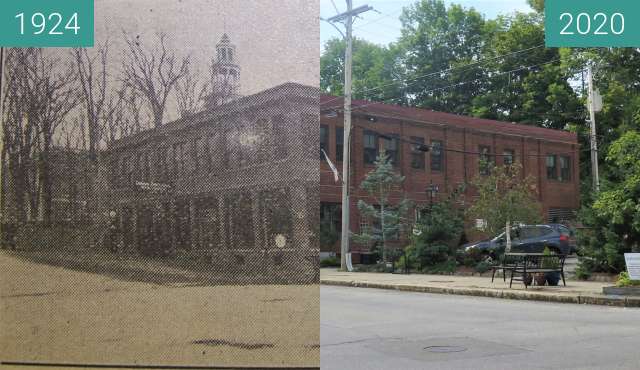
592, 23
46, 23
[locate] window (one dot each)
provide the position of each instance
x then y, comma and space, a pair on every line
339, 143
161, 165
552, 170
324, 140
146, 169
484, 160
417, 156
370, 147
391, 148
178, 158
331, 216
508, 157
565, 168
125, 171
138, 167
436, 155
197, 153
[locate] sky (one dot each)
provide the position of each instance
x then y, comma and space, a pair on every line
383, 26
276, 40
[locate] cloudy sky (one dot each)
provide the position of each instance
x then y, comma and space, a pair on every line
382, 26
277, 40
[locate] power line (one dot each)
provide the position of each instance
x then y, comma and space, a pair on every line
444, 71
335, 7
450, 86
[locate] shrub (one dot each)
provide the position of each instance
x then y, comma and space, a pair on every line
448, 267
379, 267
330, 262
624, 280
483, 266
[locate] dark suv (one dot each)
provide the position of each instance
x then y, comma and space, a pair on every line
529, 239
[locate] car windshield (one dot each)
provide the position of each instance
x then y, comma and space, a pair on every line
500, 236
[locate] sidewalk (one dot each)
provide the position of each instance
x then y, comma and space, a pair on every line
584, 292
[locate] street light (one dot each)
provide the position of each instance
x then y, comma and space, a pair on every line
432, 191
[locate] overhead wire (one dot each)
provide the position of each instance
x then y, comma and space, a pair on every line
443, 71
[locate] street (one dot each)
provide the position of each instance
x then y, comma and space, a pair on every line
381, 329
57, 315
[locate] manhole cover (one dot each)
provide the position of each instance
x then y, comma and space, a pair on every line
445, 349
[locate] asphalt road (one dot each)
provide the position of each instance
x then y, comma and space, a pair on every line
57, 315
381, 329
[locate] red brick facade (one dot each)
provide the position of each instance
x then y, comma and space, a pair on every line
458, 134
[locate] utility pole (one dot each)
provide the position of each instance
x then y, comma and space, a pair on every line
592, 100
347, 19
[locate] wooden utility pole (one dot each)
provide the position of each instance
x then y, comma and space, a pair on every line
592, 122
347, 19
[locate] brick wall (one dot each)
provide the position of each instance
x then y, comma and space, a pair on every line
458, 134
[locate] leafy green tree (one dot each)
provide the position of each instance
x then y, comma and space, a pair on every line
613, 221
374, 67
436, 38
539, 94
504, 196
388, 218
537, 5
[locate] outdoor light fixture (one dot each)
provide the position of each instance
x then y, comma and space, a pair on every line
331, 114
422, 147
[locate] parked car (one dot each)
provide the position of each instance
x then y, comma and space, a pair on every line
529, 239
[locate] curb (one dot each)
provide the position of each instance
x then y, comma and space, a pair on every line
617, 301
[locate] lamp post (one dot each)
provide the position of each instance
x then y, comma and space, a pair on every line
432, 191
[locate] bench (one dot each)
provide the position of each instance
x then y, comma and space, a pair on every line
520, 265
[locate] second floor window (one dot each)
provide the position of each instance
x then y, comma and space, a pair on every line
552, 168
370, 141
198, 154
565, 168
391, 148
484, 160
339, 143
146, 168
178, 158
437, 161
161, 165
324, 140
417, 156
508, 157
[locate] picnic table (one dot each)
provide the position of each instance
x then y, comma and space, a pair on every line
521, 265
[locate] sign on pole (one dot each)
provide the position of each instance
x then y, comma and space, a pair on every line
633, 265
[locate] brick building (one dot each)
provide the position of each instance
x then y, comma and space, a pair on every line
551, 156
237, 184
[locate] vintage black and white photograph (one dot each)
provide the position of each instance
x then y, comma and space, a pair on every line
159, 191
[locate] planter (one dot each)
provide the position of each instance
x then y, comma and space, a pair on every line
541, 279
553, 278
614, 290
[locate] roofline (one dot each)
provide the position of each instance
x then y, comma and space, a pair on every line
561, 136
232, 107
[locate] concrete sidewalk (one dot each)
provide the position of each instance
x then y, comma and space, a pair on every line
585, 292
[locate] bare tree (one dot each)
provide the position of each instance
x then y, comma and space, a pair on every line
153, 73
190, 93
93, 77
40, 94
57, 97
19, 133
